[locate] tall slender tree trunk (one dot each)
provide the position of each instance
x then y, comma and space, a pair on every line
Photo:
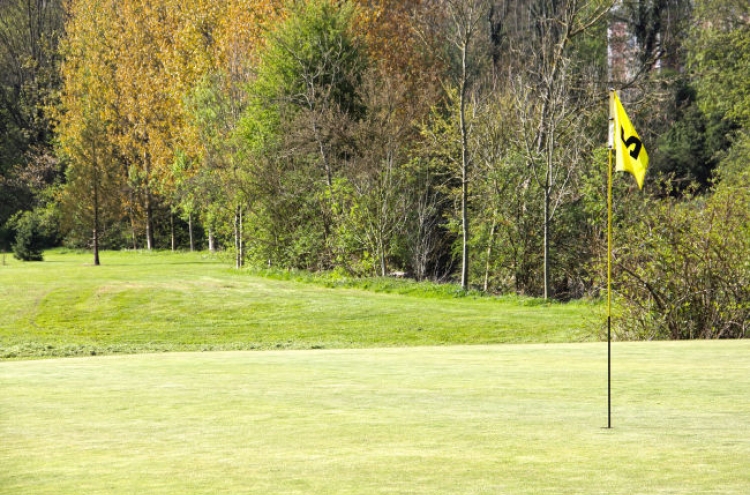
238, 248
323, 156
464, 171
237, 237
149, 222
95, 236
96, 247
242, 242
490, 242
381, 248
211, 242
547, 194
327, 220
149, 205
190, 232
95, 240
172, 233
131, 217
546, 241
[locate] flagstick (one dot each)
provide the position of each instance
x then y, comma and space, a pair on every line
609, 289
609, 262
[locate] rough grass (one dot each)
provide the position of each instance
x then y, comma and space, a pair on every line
146, 302
515, 419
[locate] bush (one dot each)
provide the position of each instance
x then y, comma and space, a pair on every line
5, 238
30, 239
684, 268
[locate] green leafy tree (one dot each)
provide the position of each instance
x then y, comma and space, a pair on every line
719, 58
465, 19
29, 35
306, 96
555, 93
719, 63
380, 198
688, 153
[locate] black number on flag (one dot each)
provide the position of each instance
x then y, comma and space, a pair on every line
632, 140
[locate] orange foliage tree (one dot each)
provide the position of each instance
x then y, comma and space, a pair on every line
154, 53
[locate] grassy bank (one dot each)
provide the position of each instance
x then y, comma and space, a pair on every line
515, 419
144, 302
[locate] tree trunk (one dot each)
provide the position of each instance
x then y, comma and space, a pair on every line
96, 247
236, 238
149, 206
211, 243
242, 243
464, 171
190, 232
95, 240
171, 228
490, 241
149, 222
546, 241
238, 248
131, 216
547, 192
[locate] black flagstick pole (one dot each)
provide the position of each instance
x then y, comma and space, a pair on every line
610, 151
609, 372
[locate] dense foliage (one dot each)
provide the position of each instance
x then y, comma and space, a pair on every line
456, 140
686, 271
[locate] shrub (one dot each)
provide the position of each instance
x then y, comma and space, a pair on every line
30, 239
685, 268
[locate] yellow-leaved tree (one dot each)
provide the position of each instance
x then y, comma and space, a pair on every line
128, 67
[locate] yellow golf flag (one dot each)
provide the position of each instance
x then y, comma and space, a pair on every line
630, 154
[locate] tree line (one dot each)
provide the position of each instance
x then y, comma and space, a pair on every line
453, 140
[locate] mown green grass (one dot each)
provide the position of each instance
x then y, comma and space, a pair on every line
509, 419
142, 302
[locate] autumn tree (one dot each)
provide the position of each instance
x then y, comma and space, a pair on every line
209, 169
90, 198
157, 54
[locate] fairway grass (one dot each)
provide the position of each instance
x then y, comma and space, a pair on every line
150, 302
510, 419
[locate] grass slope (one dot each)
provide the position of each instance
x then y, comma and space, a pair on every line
511, 419
138, 302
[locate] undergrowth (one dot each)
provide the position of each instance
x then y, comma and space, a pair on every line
391, 285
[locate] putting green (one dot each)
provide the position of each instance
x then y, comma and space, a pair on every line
516, 419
